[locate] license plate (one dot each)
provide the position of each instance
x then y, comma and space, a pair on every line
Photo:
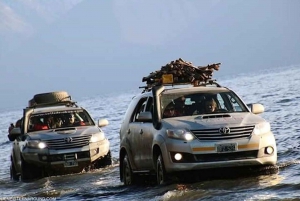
71, 163
229, 147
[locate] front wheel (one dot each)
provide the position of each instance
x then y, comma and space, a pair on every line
29, 171
128, 177
161, 175
13, 173
103, 162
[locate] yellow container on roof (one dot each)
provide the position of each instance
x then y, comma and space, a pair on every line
167, 79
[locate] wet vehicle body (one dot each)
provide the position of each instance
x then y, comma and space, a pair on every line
57, 137
153, 142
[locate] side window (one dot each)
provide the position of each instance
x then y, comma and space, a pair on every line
235, 104
221, 102
149, 106
83, 116
140, 107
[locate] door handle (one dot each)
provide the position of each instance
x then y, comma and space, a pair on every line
128, 131
141, 131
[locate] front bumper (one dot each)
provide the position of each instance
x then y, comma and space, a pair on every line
204, 155
67, 159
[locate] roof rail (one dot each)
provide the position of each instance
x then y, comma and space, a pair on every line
209, 82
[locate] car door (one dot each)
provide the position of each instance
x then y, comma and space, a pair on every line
146, 138
135, 135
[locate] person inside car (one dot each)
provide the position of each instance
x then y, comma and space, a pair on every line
171, 111
71, 121
180, 106
53, 121
39, 125
49, 121
57, 122
210, 106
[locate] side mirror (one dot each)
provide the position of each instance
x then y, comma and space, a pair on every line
256, 108
14, 133
102, 122
145, 117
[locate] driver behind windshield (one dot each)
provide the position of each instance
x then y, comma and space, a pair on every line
210, 106
71, 120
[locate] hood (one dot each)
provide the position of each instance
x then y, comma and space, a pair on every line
63, 132
213, 121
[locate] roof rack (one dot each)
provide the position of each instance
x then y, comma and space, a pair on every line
199, 84
180, 72
49, 104
209, 82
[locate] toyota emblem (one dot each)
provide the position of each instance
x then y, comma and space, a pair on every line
224, 130
68, 140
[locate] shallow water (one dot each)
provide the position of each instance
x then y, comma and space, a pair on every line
281, 99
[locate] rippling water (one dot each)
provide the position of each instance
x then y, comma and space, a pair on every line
278, 90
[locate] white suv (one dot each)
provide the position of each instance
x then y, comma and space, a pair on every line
156, 140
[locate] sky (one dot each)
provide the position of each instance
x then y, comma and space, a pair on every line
92, 48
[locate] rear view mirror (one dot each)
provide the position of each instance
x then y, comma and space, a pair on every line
14, 133
145, 117
102, 122
256, 108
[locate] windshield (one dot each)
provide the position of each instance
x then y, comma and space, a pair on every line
59, 119
186, 104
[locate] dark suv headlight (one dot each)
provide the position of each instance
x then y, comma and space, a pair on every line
182, 134
36, 144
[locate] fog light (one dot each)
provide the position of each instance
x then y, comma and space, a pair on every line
44, 158
269, 150
178, 157
94, 152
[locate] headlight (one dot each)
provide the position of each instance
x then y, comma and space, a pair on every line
262, 128
97, 137
180, 134
36, 144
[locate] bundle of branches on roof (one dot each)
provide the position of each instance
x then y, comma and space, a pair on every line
183, 72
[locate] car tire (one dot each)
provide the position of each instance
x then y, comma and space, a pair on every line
103, 162
13, 173
29, 171
161, 175
51, 97
128, 175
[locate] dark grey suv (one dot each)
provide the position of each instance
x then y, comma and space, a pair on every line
57, 137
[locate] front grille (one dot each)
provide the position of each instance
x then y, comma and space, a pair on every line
68, 142
214, 134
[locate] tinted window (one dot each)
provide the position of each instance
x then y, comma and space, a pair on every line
59, 119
